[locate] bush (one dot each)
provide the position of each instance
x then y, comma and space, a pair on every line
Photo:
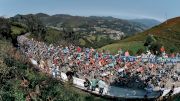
172, 50
5, 28
140, 51
156, 47
131, 52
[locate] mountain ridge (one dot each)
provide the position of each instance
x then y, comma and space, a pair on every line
147, 22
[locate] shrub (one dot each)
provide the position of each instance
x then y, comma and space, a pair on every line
140, 51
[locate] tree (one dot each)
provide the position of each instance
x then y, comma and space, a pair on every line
32, 23
35, 26
5, 28
150, 40
155, 48
172, 50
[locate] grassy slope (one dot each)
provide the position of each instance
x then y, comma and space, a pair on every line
53, 35
133, 46
17, 30
166, 33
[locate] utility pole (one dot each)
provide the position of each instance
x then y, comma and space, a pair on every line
166, 17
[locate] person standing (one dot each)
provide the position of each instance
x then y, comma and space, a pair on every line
55, 71
101, 85
94, 83
171, 91
126, 54
120, 52
162, 49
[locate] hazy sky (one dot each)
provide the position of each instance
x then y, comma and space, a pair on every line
129, 9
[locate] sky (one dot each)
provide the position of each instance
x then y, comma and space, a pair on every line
125, 9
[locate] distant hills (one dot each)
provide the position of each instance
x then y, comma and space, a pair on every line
167, 33
80, 30
92, 24
95, 24
147, 22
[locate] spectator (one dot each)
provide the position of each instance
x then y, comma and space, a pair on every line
94, 83
87, 84
101, 85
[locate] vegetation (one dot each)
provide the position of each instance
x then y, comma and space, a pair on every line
31, 23
5, 28
133, 47
17, 30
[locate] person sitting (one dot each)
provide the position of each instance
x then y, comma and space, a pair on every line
162, 89
55, 71
149, 88
70, 74
171, 91
87, 84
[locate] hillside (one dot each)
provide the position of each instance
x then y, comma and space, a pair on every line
167, 33
19, 81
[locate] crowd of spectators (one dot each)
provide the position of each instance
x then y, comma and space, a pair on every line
99, 67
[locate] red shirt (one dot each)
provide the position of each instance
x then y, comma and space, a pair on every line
55, 61
79, 49
162, 49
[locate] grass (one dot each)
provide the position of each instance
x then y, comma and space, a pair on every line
53, 36
133, 46
82, 42
17, 30
91, 38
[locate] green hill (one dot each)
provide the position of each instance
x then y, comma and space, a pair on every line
167, 33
